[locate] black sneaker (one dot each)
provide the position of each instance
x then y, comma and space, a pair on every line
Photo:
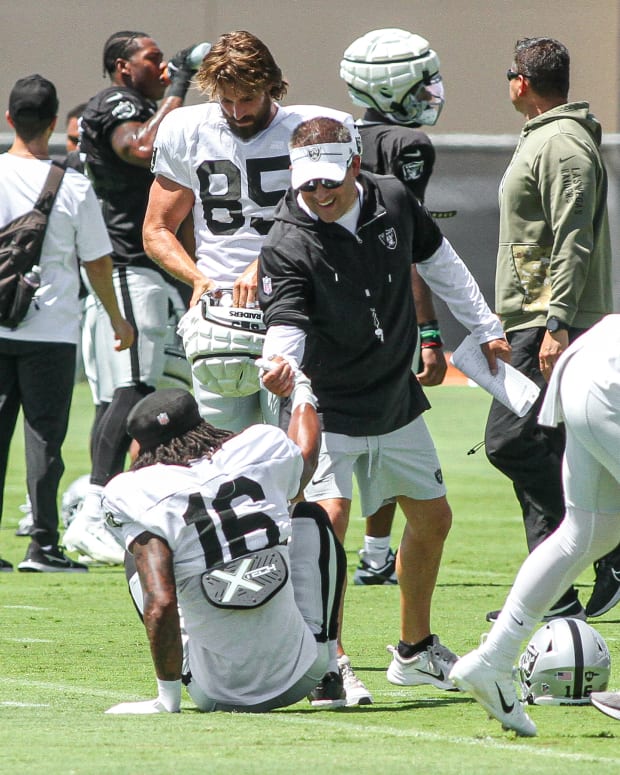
5, 566
329, 693
606, 591
572, 610
52, 560
368, 575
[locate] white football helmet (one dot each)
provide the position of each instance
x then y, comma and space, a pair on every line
222, 343
396, 73
563, 663
72, 499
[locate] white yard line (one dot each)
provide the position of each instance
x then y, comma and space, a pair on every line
365, 730
328, 721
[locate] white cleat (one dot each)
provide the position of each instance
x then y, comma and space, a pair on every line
494, 690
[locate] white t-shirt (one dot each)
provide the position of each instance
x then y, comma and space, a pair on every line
217, 510
236, 183
75, 227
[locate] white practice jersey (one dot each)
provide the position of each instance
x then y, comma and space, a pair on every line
213, 511
236, 183
216, 509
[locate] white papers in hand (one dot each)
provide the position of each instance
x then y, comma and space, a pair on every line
513, 389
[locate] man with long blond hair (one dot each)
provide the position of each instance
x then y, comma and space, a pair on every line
227, 162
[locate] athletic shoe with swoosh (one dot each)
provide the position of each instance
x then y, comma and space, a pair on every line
369, 574
48, 560
494, 690
431, 666
606, 591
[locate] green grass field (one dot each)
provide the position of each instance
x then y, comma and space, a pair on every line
71, 646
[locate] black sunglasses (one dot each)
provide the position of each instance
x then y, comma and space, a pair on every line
312, 185
511, 75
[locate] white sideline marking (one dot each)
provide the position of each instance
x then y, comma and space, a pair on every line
488, 742
27, 640
26, 607
24, 704
364, 730
64, 688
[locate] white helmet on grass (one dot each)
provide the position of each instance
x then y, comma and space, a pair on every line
73, 497
563, 663
396, 73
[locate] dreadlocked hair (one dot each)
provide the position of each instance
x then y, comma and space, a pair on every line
120, 45
203, 440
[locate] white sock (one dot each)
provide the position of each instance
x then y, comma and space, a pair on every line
377, 546
376, 550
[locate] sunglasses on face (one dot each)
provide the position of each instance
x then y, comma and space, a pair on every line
312, 185
512, 74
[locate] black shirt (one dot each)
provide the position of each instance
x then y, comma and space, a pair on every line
122, 188
402, 151
351, 294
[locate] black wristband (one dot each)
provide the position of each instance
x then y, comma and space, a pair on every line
430, 335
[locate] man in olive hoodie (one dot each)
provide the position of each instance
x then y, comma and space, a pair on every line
553, 281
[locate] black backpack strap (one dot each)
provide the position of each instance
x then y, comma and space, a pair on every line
50, 188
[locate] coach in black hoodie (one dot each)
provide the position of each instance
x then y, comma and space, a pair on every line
334, 286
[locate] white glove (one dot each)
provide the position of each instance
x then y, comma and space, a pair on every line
168, 701
138, 708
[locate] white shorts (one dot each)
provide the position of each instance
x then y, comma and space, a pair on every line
401, 463
99, 379
591, 466
143, 296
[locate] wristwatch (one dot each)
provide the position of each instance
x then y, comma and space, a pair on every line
555, 324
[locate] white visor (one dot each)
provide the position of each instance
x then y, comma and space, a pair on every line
328, 161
